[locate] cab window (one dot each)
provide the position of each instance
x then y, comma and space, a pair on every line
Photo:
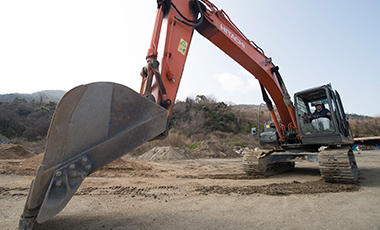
312, 121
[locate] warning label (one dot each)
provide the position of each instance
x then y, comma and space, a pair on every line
182, 46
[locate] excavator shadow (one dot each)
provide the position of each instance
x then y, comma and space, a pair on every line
301, 169
307, 171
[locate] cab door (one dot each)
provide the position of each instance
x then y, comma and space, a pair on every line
342, 118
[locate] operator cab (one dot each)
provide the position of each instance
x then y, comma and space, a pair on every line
321, 117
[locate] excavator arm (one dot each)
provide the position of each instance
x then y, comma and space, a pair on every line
97, 123
173, 31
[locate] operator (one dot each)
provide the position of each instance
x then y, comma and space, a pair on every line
320, 112
320, 115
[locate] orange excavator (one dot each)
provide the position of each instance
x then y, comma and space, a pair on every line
97, 123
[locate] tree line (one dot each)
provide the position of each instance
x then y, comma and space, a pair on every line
368, 127
29, 120
200, 115
205, 115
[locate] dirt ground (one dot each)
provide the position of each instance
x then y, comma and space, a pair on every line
201, 193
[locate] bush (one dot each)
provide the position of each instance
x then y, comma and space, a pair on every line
206, 115
365, 127
30, 120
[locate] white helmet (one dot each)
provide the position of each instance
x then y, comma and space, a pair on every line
318, 103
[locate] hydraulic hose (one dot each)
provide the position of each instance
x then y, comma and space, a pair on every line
183, 19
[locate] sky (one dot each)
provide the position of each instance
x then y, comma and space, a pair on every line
46, 44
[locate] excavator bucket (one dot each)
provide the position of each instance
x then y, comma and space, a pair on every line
93, 125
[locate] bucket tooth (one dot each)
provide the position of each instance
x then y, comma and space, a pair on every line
93, 125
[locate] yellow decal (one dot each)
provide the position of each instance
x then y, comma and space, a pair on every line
182, 46
268, 126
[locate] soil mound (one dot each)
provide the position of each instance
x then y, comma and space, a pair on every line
166, 153
120, 167
34, 162
210, 149
8, 151
25, 166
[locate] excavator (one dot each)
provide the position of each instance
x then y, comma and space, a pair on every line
96, 123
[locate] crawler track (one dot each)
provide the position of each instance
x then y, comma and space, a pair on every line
338, 165
251, 164
263, 164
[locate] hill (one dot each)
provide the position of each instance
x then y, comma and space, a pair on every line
45, 95
354, 116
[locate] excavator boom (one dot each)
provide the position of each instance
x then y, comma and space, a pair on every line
174, 27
